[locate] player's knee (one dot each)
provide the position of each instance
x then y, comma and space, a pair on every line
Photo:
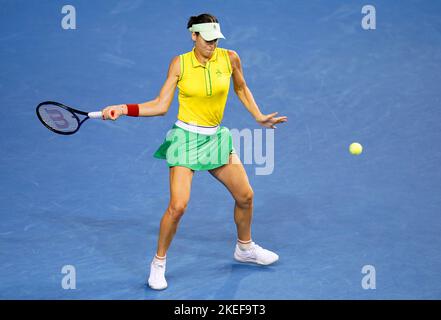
177, 209
245, 199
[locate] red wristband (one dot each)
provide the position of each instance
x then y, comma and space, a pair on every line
133, 110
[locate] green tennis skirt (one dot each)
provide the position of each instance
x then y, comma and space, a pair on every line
195, 150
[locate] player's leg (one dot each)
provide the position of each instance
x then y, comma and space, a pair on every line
235, 179
180, 186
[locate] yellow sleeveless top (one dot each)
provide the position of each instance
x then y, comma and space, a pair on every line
203, 90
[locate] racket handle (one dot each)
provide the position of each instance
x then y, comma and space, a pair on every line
95, 115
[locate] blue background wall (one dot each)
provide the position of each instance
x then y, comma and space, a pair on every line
94, 199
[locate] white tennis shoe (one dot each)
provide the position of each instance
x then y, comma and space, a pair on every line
157, 275
255, 254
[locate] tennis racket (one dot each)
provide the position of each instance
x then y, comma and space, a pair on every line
62, 119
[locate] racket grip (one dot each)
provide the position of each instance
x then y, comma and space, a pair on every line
95, 115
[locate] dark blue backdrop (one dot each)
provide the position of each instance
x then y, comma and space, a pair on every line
94, 200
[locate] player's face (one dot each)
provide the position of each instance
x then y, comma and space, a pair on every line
205, 48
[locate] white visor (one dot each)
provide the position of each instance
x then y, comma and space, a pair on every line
209, 31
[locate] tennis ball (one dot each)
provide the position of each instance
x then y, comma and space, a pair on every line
355, 148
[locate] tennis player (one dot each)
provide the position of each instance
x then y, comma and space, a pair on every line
197, 142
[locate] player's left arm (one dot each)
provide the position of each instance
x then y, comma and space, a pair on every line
246, 97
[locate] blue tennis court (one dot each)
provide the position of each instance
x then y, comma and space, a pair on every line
94, 200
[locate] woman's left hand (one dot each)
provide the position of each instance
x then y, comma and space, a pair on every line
270, 120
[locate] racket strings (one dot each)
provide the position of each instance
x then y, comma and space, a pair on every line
58, 118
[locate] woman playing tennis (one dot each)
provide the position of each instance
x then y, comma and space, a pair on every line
197, 141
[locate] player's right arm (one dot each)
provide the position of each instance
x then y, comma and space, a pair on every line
156, 107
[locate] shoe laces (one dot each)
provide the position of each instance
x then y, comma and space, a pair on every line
253, 249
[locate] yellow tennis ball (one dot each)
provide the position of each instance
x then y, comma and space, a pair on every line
355, 148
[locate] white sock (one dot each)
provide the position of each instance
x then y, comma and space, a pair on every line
159, 260
244, 245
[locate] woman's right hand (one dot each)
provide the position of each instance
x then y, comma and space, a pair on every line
114, 112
